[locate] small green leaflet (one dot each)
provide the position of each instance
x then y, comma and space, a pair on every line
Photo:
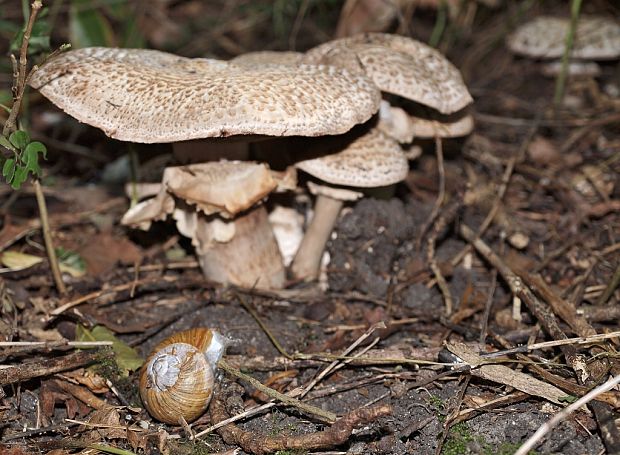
126, 357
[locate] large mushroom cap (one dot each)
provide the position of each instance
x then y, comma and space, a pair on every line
398, 65
262, 58
596, 38
370, 161
150, 96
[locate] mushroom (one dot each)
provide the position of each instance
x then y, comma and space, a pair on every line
217, 205
369, 161
150, 96
400, 66
596, 38
259, 59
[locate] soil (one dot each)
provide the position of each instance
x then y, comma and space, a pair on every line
559, 220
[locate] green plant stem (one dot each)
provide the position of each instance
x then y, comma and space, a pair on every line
560, 82
305, 407
47, 236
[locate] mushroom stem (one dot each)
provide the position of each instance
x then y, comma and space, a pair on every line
307, 261
250, 258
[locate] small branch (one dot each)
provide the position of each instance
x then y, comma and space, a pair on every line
47, 236
564, 413
250, 442
560, 83
46, 367
307, 408
19, 84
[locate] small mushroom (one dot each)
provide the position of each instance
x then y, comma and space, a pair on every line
596, 38
217, 205
371, 160
150, 96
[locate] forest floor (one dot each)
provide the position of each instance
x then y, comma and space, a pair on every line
549, 177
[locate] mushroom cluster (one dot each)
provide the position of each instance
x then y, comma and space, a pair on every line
401, 67
150, 96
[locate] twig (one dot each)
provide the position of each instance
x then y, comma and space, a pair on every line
19, 84
501, 191
443, 221
47, 236
333, 436
347, 351
560, 83
441, 192
610, 288
564, 413
264, 327
18, 373
307, 408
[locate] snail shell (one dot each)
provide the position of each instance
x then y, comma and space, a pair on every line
177, 378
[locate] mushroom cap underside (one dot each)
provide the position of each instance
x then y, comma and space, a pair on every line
150, 96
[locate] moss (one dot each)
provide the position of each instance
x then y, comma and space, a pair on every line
458, 440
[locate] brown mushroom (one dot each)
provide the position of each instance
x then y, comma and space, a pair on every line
217, 205
398, 65
150, 96
371, 160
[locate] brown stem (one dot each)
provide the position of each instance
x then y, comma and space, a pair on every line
307, 261
19, 84
46, 367
325, 416
47, 236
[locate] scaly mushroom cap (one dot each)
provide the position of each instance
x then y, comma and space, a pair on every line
596, 38
150, 96
398, 65
261, 58
370, 161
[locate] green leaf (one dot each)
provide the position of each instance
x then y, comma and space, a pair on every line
71, 262
88, 27
8, 170
5, 143
19, 139
127, 358
30, 157
21, 173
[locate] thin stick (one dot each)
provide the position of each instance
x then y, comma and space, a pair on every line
19, 84
549, 344
55, 344
307, 408
347, 351
564, 413
560, 83
441, 192
47, 236
503, 187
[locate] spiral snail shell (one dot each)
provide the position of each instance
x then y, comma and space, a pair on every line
178, 377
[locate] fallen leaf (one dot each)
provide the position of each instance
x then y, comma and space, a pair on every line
127, 358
